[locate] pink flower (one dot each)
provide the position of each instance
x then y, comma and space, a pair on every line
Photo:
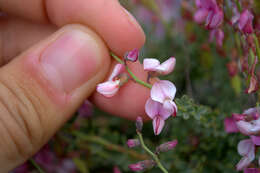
141, 166
86, 109
158, 113
167, 146
253, 85
218, 34
111, 87
164, 92
153, 65
246, 22
230, 125
251, 170
132, 55
246, 148
208, 12
133, 143
251, 124
116, 170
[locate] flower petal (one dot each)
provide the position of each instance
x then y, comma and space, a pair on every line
243, 163
163, 90
109, 88
158, 124
255, 140
167, 67
200, 15
230, 125
152, 108
245, 147
245, 127
118, 69
150, 64
169, 108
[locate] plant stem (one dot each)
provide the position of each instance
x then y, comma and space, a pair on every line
238, 5
36, 166
257, 46
108, 145
135, 78
155, 157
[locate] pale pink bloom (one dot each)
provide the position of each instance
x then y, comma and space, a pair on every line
111, 87
255, 140
132, 55
246, 148
164, 92
153, 65
158, 113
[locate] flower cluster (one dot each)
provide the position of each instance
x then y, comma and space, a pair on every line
160, 106
209, 12
248, 124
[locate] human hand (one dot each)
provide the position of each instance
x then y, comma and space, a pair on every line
59, 67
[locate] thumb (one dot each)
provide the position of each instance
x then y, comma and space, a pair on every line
43, 87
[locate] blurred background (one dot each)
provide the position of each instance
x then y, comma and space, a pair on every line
208, 91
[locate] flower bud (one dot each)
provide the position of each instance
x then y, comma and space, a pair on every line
133, 143
139, 124
141, 166
116, 170
132, 55
167, 146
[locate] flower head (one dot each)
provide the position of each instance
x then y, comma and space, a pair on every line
111, 87
219, 35
158, 113
164, 92
133, 143
153, 65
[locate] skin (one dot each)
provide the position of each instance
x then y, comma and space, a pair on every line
31, 109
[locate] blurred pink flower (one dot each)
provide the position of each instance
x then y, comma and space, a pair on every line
166, 146
208, 12
133, 143
141, 166
246, 22
86, 109
251, 170
153, 65
116, 170
219, 35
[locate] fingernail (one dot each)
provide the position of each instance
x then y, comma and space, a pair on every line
70, 61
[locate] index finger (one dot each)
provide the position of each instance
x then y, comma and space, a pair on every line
108, 18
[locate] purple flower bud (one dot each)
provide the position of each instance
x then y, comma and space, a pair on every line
167, 146
133, 143
141, 166
132, 55
214, 19
246, 22
139, 124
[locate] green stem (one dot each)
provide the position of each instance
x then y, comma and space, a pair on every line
257, 46
155, 157
238, 5
108, 145
135, 78
36, 166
